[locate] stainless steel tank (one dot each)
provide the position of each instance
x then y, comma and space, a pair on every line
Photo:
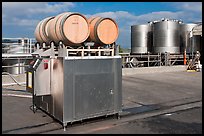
14, 66
141, 38
196, 44
185, 30
166, 36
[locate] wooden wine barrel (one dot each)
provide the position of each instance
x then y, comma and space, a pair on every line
41, 31
70, 28
103, 30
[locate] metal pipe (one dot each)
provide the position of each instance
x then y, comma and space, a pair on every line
30, 42
148, 59
14, 66
12, 78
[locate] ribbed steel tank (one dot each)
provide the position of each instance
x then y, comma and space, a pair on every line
70, 28
41, 31
141, 38
166, 36
103, 30
185, 30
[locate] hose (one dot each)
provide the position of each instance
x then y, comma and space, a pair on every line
6, 73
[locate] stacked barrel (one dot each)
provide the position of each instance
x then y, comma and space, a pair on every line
73, 29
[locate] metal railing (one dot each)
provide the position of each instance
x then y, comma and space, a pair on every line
16, 54
18, 45
151, 60
141, 60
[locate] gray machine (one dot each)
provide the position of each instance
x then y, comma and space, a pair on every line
74, 88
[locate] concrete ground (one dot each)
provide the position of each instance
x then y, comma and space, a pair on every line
174, 123
154, 102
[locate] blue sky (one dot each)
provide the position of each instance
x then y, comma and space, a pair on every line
19, 19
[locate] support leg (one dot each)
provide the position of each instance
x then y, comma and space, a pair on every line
118, 116
64, 126
33, 108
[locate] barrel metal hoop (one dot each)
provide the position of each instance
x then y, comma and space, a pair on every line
95, 30
62, 24
39, 30
92, 19
37, 33
55, 27
44, 24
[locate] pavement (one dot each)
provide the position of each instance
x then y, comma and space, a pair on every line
168, 102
